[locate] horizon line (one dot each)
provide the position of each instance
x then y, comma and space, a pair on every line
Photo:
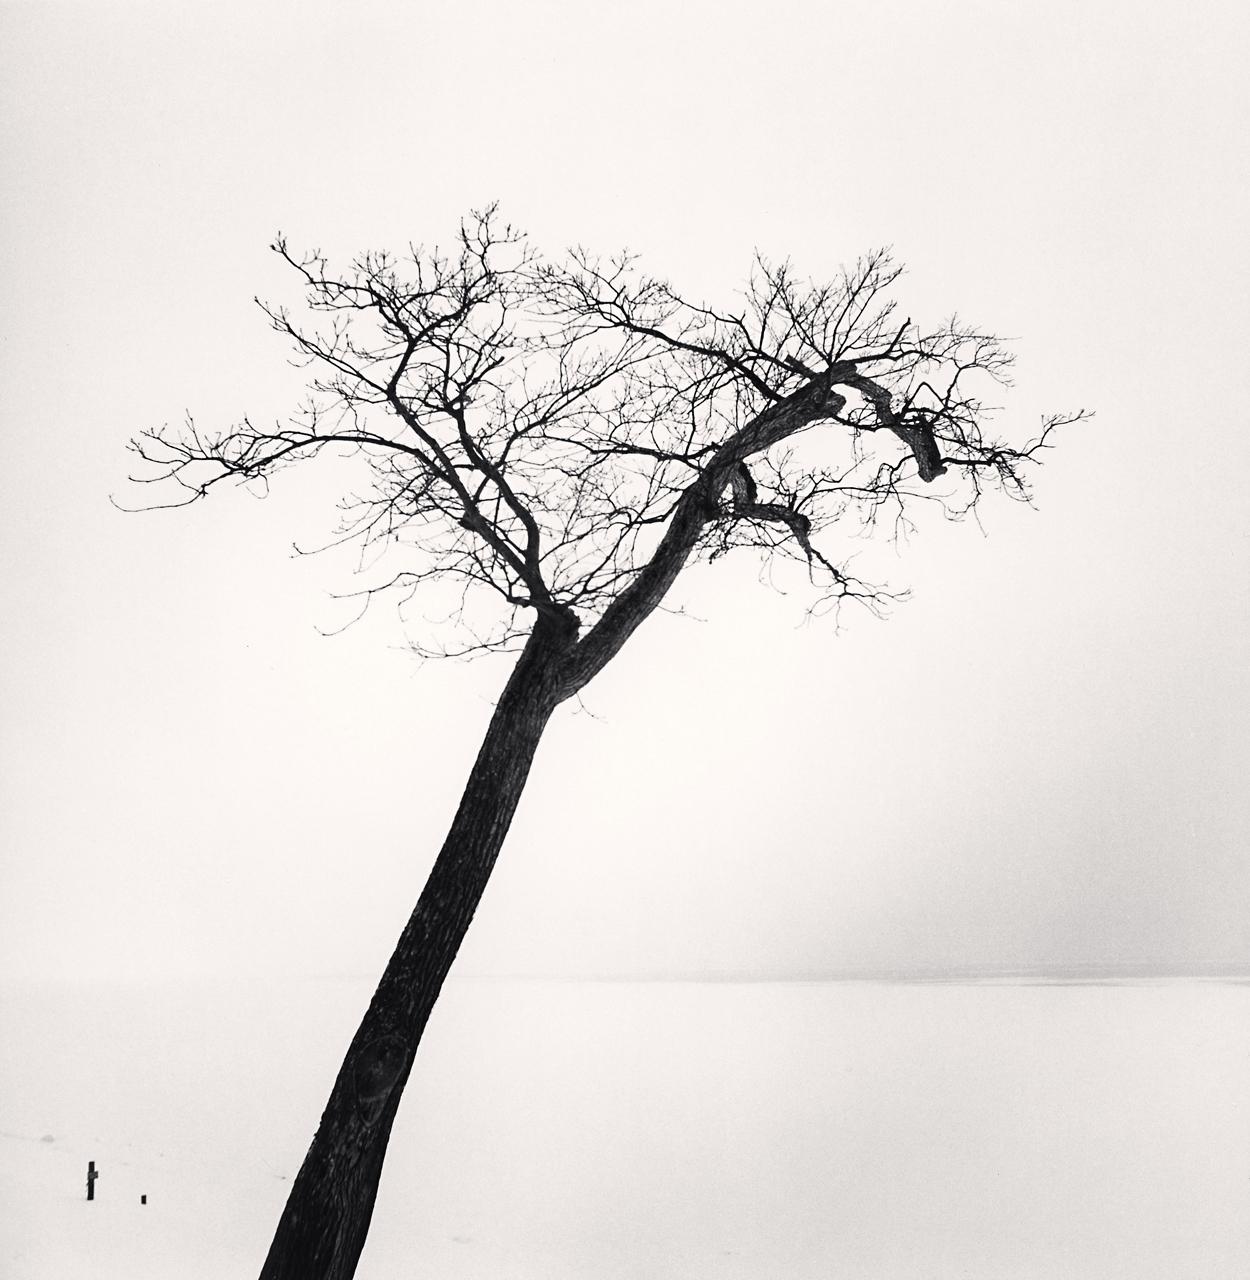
987, 973
1124, 971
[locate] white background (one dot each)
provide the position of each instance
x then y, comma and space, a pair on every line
1039, 760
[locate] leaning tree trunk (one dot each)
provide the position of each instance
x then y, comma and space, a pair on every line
323, 1227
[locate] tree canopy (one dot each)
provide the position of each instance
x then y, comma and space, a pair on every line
558, 435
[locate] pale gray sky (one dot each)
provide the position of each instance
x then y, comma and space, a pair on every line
1039, 760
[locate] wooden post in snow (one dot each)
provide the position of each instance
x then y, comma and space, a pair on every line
92, 1175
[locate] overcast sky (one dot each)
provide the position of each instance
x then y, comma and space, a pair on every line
1039, 759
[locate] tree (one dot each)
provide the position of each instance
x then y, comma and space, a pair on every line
557, 437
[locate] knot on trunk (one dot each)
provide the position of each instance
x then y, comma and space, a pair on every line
378, 1068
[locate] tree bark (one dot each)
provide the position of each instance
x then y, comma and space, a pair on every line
323, 1227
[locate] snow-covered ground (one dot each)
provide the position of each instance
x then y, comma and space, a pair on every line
568, 1131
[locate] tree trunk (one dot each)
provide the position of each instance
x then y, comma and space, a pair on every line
323, 1227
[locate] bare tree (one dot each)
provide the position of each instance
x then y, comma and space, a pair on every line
557, 438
